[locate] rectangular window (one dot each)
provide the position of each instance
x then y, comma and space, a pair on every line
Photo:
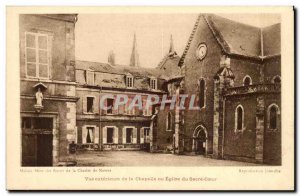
37, 55
129, 135
110, 105
26, 122
89, 104
90, 78
90, 135
129, 81
153, 83
110, 135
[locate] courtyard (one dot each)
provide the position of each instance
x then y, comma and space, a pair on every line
141, 158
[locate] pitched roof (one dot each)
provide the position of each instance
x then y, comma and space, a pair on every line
110, 76
169, 68
240, 39
271, 40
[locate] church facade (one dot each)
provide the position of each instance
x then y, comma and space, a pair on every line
234, 69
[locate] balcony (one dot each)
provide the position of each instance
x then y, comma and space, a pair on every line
252, 89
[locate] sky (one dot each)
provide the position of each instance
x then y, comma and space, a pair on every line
98, 34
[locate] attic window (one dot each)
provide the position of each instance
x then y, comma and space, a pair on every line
153, 83
90, 77
129, 81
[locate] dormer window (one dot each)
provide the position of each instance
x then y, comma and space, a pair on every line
129, 81
153, 83
90, 77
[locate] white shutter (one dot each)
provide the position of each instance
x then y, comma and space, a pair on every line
95, 106
50, 38
96, 135
134, 136
84, 134
76, 135
124, 136
104, 131
142, 135
115, 136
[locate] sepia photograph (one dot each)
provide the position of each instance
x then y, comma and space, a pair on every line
209, 93
113, 89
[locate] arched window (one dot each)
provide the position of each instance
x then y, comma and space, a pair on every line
247, 80
239, 118
276, 80
169, 122
273, 112
201, 93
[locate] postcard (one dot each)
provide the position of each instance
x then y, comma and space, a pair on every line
150, 98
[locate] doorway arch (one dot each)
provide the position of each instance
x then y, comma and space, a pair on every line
200, 140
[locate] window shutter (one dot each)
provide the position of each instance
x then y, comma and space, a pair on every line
104, 132
95, 106
84, 104
76, 135
116, 133
121, 109
84, 134
103, 111
142, 135
96, 135
134, 136
50, 38
114, 110
124, 136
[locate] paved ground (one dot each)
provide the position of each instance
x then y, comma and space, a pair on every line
140, 158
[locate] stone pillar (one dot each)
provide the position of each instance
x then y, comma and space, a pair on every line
222, 80
218, 116
178, 140
260, 127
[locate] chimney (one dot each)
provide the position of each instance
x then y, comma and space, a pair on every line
111, 58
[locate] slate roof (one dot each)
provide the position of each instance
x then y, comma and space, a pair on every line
271, 40
110, 76
240, 39
169, 68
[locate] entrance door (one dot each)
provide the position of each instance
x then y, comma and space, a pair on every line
44, 150
200, 148
29, 149
37, 141
200, 140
